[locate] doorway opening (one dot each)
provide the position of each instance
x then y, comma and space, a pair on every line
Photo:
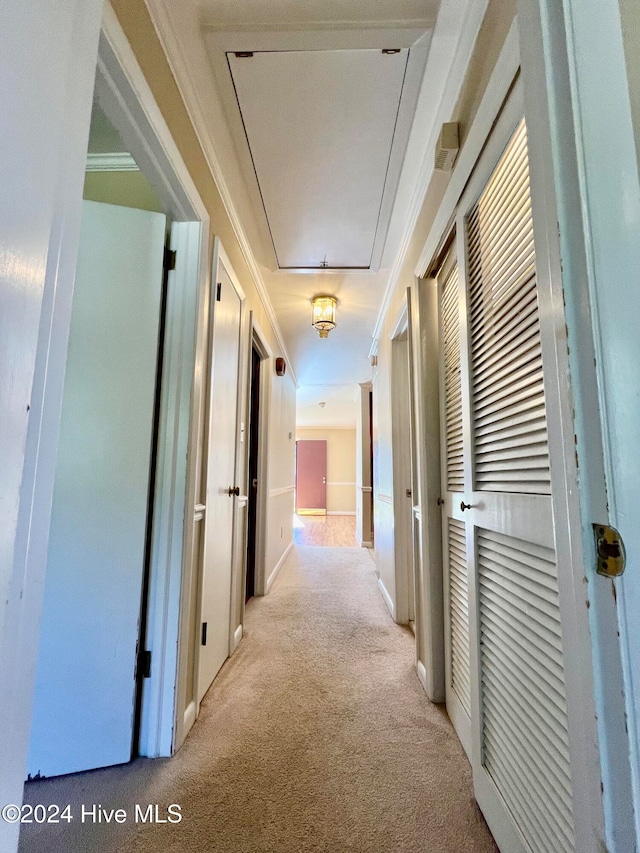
403, 477
253, 473
117, 521
326, 486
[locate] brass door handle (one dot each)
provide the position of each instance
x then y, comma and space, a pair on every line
234, 490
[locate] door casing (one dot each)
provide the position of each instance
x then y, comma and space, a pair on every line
131, 107
566, 507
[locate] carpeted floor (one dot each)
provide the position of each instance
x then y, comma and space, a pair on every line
316, 736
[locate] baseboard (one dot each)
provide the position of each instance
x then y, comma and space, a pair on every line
190, 716
422, 675
339, 512
366, 544
237, 636
279, 564
387, 598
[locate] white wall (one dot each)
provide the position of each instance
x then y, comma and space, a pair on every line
47, 68
383, 524
364, 495
281, 467
341, 467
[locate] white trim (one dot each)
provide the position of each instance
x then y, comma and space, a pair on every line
190, 715
366, 544
128, 101
319, 428
421, 672
179, 67
194, 525
497, 89
401, 459
274, 493
263, 342
339, 512
387, 598
119, 161
572, 108
385, 499
259, 340
223, 259
237, 636
159, 708
401, 324
279, 565
458, 21
366, 488
427, 522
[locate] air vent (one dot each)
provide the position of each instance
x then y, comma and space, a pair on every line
447, 147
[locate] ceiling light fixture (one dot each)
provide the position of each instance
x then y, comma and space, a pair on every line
324, 314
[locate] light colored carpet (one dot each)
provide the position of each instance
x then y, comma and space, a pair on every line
316, 736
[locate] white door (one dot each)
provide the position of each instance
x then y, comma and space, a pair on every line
499, 519
85, 688
222, 490
456, 584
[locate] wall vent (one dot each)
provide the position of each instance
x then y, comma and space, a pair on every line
447, 147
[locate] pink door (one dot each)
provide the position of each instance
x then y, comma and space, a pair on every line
311, 477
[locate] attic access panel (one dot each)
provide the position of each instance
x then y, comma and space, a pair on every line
320, 126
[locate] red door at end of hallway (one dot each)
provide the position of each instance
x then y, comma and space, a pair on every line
311, 477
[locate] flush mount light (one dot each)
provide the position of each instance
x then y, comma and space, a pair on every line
324, 314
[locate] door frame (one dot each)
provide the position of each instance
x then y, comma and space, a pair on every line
130, 105
188, 706
401, 425
241, 505
585, 244
584, 746
258, 339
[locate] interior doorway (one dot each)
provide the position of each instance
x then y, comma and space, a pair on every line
311, 477
253, 473
123, 446
403, 501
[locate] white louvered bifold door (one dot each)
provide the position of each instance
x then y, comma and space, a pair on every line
456, 591
520, 752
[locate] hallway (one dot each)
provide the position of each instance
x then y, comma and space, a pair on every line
316, 736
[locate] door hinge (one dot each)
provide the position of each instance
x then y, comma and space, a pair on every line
219, 291
144, 664
169, 262
204, 633
610, 553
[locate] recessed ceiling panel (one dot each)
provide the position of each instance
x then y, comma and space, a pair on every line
320, 129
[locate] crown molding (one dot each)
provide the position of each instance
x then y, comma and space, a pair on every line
315, 26
458, 21
118, 161
180, 70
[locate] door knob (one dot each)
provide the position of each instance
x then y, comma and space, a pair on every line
464, 506
234, 490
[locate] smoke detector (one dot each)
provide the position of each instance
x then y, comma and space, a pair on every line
447, 147
322, 405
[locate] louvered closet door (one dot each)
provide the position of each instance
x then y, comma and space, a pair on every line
456, 590
520, 754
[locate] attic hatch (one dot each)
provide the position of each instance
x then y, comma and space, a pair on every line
322, 131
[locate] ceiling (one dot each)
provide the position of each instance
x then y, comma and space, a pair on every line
310, 137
